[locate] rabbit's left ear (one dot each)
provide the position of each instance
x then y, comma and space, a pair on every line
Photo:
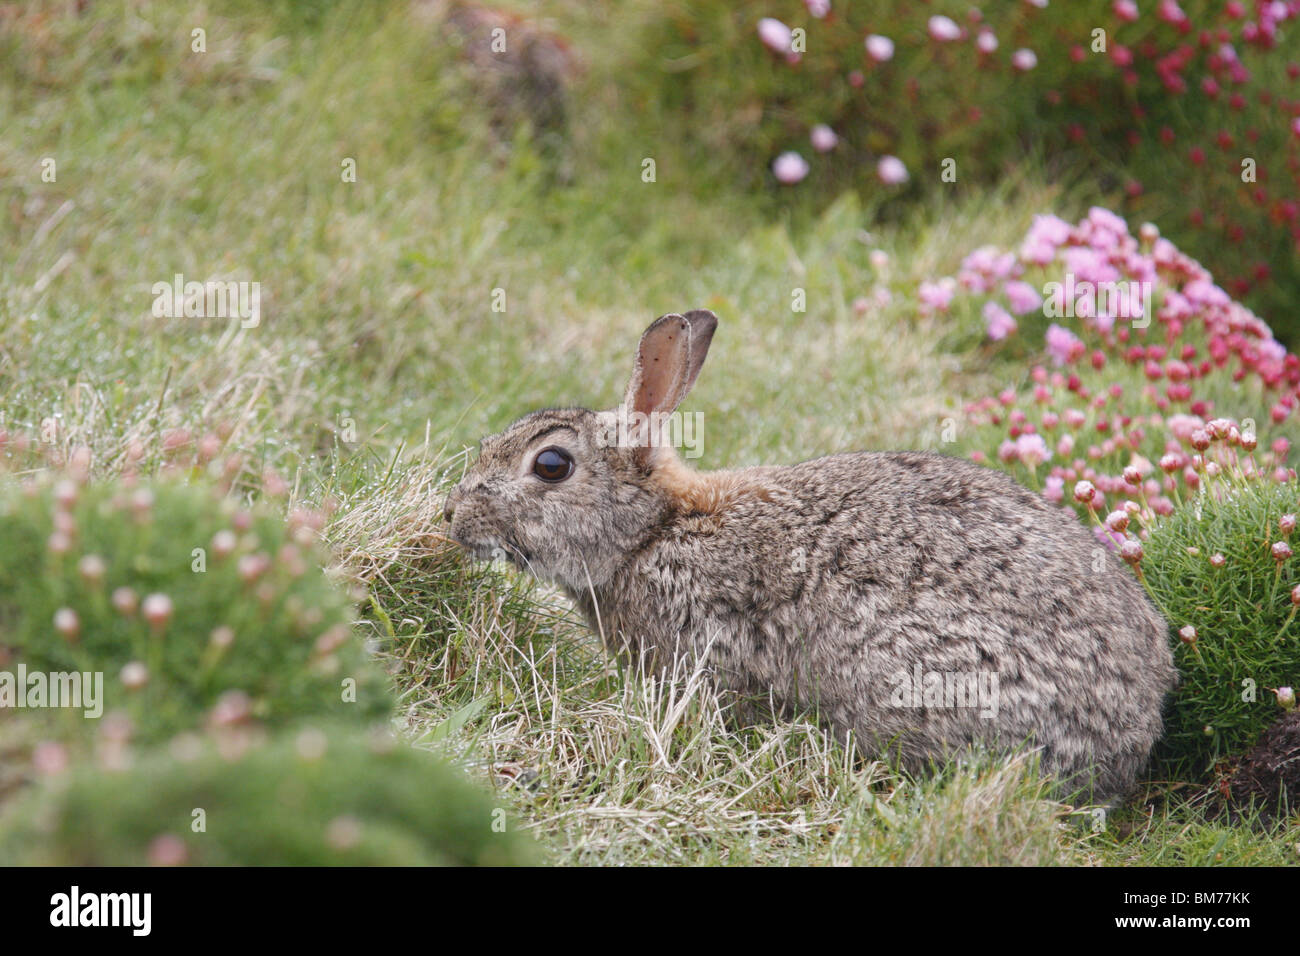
669, 358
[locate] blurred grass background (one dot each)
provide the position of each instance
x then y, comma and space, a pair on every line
377, 295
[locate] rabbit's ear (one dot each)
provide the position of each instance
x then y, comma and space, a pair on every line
669, 358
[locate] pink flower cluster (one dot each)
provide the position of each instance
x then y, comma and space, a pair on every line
1200, 88
1130, 409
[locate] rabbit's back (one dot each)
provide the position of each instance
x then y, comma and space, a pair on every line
922, 601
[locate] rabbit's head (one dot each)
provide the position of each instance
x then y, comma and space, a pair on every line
571, 494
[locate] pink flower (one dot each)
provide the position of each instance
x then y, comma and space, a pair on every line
891, 171
776, 36
1063, 345
1170, 12
1088, 265
124, 600
1100, 218
985, 41
1126, 10
879, 48
823, 138
1204, 293
253, 566
789, 168
167, 849
1032, 450
982, 267
818, 8
943, 29
1054, 489
1183, 426
998, 321
1024, 60
1022, 296
1108, 537
92, 569
1050, 229
157, 610
936, 296
134, 675
66, 623
1085, 493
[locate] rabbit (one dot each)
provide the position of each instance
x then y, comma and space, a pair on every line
925, 603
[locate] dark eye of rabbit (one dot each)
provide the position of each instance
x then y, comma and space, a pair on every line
553, 464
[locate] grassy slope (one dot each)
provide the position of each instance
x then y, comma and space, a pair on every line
377, 307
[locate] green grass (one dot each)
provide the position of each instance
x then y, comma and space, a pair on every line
378, 318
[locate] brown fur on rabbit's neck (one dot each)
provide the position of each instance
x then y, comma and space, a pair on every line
702, 492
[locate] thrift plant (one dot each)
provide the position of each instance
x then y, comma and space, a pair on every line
1223, 568
193, 608
310, 796
1148, 362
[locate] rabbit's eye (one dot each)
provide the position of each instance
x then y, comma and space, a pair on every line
553, 464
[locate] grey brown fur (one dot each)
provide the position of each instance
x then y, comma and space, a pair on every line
817, 585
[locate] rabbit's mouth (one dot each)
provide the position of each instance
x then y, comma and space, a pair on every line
520, 557
495, 550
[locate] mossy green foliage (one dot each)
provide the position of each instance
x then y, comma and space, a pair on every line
1247, 637
318, 796
281, 635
